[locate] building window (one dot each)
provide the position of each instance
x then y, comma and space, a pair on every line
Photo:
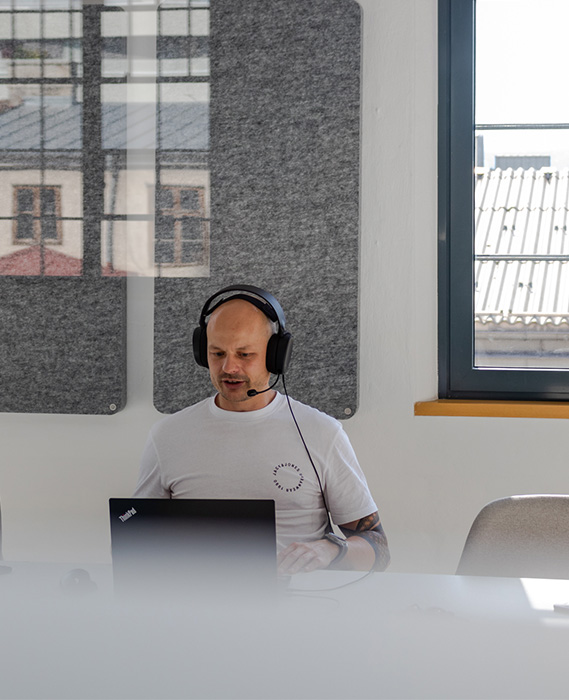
182, 229
503, 200
37, 214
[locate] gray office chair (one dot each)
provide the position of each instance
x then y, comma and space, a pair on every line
520, 536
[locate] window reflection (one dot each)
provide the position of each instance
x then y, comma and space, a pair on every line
40, 140
182, 232
151, 111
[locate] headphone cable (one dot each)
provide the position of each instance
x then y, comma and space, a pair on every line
367, 573
309, 455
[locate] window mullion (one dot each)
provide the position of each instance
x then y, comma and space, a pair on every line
92, 142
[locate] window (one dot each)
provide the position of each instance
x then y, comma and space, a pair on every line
503, 200
182, 230
37, 214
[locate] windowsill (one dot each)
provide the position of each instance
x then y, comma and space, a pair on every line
497, 409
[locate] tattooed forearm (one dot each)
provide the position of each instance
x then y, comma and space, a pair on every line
368, 523
378, 541
370, 529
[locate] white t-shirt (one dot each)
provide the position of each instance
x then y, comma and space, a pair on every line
204, 451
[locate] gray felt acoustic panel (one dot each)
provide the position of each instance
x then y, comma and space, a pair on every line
62, 345
284, 123
62, 341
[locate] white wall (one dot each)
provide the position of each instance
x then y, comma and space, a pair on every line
430, 476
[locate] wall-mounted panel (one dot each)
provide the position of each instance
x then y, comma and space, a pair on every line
284, 171
62, 317
62, 345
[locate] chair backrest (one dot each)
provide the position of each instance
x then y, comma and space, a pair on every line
520, 536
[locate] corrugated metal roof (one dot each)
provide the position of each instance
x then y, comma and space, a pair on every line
182, 126
522, 246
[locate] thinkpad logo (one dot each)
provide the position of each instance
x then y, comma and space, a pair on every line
287, 477
130, 512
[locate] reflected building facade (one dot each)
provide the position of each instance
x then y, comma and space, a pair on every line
104, 139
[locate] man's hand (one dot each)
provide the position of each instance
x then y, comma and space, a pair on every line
307, 556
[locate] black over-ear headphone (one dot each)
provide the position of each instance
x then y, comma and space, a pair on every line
279, 347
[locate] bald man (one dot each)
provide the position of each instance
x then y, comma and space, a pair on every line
244, 444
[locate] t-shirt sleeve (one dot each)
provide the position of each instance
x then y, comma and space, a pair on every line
347, 493
149, 478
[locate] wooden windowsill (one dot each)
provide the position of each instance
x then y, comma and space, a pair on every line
498, 409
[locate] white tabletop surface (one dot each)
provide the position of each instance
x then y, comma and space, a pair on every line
386, 636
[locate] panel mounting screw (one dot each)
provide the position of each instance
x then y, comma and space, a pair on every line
348, 411
113, 407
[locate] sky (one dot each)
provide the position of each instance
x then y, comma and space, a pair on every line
521, 76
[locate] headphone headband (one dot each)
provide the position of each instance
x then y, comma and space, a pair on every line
263, 300
279, 347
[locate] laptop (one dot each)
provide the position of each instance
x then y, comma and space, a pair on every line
211, 548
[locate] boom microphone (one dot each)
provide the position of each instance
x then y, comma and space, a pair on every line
254, 392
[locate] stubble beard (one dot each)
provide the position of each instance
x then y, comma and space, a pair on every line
232, 397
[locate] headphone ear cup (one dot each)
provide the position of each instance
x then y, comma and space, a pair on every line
279, 350
200, 346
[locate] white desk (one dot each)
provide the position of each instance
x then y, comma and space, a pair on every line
389, 636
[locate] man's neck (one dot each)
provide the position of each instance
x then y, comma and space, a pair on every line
254, 403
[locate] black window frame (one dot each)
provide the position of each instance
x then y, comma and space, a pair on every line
458, 377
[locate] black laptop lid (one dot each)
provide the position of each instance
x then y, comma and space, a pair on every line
173, 547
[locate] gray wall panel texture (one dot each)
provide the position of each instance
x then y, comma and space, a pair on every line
62, 346
285, 117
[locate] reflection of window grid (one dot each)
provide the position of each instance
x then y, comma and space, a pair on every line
37, 214
83, 53
183, 39
182, 230
41, 52
190, 245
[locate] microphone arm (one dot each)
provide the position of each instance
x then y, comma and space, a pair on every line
254, 392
